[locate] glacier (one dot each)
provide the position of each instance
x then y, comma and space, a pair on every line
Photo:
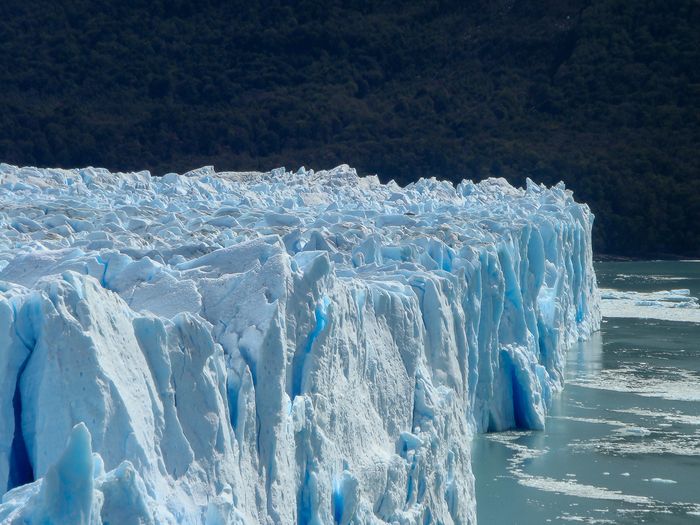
308, 347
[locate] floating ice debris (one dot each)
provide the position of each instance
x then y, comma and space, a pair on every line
667, 305
662, 480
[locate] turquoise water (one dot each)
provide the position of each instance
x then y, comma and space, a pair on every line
622, 442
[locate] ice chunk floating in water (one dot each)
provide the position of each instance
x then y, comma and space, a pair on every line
666, 305
309, 347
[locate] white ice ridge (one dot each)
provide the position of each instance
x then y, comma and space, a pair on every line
309, 347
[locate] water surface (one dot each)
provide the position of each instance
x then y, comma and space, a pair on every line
622, 442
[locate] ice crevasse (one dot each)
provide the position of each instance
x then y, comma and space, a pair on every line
285, 347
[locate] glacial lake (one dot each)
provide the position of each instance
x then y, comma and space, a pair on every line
622, 440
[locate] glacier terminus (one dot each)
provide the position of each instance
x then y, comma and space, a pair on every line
308, 347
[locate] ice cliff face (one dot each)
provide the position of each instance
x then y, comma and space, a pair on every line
308, 347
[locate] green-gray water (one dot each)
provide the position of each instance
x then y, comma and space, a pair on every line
622, 443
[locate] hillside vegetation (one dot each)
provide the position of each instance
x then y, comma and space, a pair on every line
603, 94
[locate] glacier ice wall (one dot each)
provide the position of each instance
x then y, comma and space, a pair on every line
309, 347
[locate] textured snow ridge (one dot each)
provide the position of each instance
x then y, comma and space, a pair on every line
309, 347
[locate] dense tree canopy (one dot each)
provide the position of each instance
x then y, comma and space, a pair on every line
603, 94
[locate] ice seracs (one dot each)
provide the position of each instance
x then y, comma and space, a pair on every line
308, 347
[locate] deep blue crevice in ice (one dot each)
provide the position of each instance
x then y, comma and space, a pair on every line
321, 314
409, 484
21, 471
250, 363
421, 487
360, 299
103, 278
338, 502
521, 404
306, 509
232, 387
542, 342
24, 327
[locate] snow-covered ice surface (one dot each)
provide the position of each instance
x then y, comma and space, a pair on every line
309, 347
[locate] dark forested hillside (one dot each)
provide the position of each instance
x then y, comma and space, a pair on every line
604, 94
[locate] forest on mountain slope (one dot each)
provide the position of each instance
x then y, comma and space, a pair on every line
602, 94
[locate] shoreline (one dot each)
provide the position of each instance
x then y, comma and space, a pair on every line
606, 257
